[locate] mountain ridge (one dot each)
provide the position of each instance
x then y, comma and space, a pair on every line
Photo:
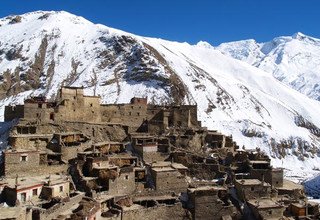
293, 60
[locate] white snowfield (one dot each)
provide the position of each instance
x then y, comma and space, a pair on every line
294, 60
235, 93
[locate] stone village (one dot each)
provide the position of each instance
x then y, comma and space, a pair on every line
75, 158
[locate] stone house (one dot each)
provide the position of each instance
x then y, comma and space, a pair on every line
210, 202
164, 207
266, 209
146, 146
304, 209
56, 188
262, 170
24, 190
167, 178
31, 163
252, 189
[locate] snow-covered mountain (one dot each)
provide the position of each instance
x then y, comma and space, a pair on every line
40, 51
293, 60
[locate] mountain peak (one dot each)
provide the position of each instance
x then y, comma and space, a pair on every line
204, 44
305, 38
298, 35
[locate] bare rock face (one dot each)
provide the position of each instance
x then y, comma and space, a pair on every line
50, 49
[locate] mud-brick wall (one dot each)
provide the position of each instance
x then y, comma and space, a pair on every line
247, 192
57, 209
14, 164
123, 184
277, 177
207, 205
164, 212
268, 213
37, 111
169, 181
48, 192
71, 152
28, 143
185, 116
82, 109
12, 112
129, 114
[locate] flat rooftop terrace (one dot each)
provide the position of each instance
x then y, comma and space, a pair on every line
27, 182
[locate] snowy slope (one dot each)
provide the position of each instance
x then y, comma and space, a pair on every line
294, 60
48, 49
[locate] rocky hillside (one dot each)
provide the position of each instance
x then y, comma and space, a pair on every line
40, 51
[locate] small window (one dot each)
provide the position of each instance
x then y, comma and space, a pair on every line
60, 188
23, 197
252, 188
270, 212
35, 192
24, 158
52, 116
39, 105
138, 113
129, 113
74, 97
90, 104
127, 177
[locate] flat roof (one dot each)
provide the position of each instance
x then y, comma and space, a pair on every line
27, 182
289, 185
251, 182
179, 166
31, 135
207, 188
163, 169
106, 142
161, 164
150, 197
122, 156
264, 203
11, 212
68, 133
12, 151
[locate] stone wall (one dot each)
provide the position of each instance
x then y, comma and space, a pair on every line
39, 112
29, 142
56, 190
164, 212
79, 108
54, 211
169, 181
21, 163
207, 205
247, 192
132, 115
123, 184
33, 170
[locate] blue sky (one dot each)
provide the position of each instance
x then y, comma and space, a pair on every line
214, 21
